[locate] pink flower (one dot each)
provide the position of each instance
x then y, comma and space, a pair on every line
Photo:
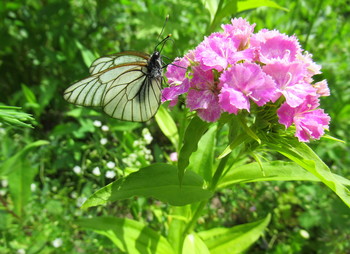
289, 78
322, 88
311, 67
230, 70
310, 122
203, 95
243, 82
241, 30
173, 156
274, 46
178, 82
218, 51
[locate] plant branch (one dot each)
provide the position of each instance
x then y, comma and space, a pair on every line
3, 202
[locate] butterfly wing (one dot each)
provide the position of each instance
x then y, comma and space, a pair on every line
119, 83
106, 62
133, 97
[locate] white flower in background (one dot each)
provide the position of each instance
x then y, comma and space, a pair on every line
57, 242
80, 201
110, 174
4, 183
97, 123
173, 156
21, 251
74, 195
77, 170
147, 136
304, 234
136, 143
103, 141
33, 187
110, 164
2, 192
96, 171
105, 128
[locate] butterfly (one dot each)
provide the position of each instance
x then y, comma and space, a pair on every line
126, 85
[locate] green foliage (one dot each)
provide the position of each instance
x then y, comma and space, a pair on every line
129, 236
159, 181
49, 171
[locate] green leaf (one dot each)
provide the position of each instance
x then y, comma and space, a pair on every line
12, 116
201, 161
211, 6
224, 9
248, 130
128, 235
274, 171
193, 244
234, 240
252, 4
11, 164
87, 55
179, 217
159, 181
19, 184
167, 125
306, 158
193, 134
29, 95
236, 142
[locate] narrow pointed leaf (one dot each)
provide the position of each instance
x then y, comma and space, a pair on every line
274, 171
234, 240
193, 244
167, 125
304, 156
201, 161
193, 134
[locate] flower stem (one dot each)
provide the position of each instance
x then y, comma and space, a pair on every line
215, 180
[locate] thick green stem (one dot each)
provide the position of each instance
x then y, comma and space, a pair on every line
218, 173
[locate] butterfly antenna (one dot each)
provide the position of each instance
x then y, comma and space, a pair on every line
165, 21
162, 41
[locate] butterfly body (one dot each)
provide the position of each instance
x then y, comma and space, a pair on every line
126, 85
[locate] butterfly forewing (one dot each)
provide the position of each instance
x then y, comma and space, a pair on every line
109, 61
123, 84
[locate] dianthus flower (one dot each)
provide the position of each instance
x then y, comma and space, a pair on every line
309, 121
231, 70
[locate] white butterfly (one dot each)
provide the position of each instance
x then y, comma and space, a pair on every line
126, 85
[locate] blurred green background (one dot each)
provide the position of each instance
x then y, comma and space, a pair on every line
46, 172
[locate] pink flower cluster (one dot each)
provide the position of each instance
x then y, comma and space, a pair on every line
230, 70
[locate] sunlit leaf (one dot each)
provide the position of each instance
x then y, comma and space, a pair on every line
234, 240
167, 125
157, 180
305, 157
128, 235
193, 134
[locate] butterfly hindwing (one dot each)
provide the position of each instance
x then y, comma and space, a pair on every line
135, 99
